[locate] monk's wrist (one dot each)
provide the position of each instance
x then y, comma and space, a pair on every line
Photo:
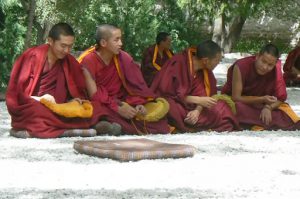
199, 108
267, 106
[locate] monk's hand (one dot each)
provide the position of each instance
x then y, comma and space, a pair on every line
80, 101
192, 117
141, 109
266, 115
269, 99
207, 102
127, 111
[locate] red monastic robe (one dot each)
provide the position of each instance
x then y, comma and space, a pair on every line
152, 62
30, 78
177, 80
292, 60
259, 85
121, 81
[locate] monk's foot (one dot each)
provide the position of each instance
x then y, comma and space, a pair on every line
19, 134
104, 127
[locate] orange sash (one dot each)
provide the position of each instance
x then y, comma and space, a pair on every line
85, 53
205, 71
289, 111
158, 67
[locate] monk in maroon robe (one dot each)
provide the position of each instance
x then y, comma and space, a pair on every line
291, 68
114, 80
46, 71
155, 56
187, 82
258, 89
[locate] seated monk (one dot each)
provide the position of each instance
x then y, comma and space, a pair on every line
155, 56
115, 80
188, 83
258, 89
47, 71
291, 68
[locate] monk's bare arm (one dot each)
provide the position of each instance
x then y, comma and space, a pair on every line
201, 101
237, 88
90, 82
274, 105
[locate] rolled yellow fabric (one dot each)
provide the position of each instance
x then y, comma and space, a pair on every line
70, 109
156, 110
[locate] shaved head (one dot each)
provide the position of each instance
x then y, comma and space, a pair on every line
104, 31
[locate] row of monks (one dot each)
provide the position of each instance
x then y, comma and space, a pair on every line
118, 88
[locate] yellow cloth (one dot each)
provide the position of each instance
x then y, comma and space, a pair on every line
289, 111
205, 71
228, 100
70, 109
156, 110
257, 128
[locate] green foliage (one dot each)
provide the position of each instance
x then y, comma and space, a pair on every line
140, 21
253, 44
11, 38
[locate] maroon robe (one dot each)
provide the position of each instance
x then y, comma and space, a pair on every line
254, 84
149, 71
292, 60
30, 78
125, 85
175, 81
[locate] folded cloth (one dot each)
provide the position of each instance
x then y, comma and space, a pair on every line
70, 109
156, 110
133, 149
79, 133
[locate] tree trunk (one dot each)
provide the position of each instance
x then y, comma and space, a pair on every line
30, 24
233, 33
227, 34
42, 32
218, 30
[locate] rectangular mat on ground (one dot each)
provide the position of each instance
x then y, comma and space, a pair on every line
133, 149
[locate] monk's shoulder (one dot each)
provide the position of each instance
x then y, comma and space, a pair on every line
89, 60
125, 55
178, 59
89, 56
72, 59
35, 50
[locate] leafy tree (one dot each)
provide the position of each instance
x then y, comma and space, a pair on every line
11, 37
24, 23
228, 18
287, 10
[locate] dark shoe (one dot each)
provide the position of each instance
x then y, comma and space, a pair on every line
105, 127
19, 134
